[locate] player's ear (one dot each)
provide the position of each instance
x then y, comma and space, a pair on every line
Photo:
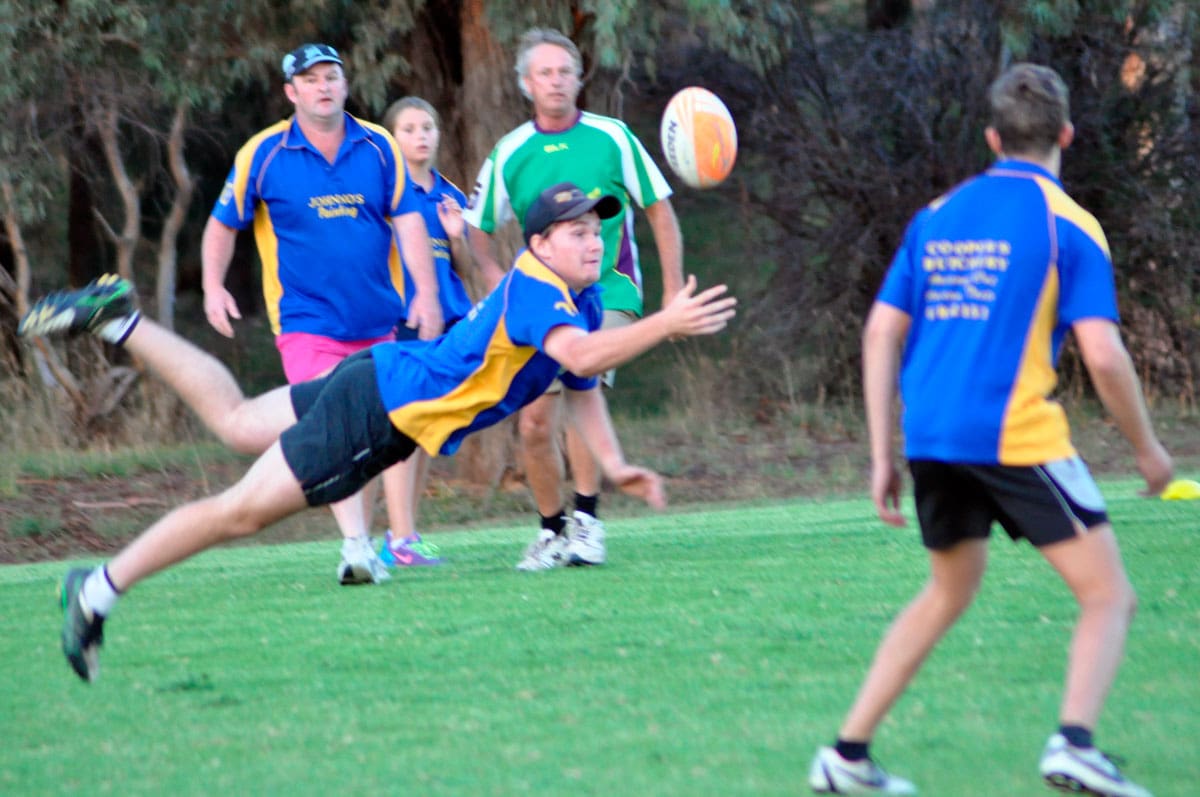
992, 136
289, 91
1066, 135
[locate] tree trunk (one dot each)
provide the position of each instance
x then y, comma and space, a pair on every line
484, 107
168, 259
126, 240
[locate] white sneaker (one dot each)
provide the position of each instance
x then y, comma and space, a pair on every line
1084, 769
832, 774
587, 540
360, 564
545, 553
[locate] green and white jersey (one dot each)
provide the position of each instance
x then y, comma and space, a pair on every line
599, 154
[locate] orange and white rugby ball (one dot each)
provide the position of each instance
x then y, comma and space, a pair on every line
699, 138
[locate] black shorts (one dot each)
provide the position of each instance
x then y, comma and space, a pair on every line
1043, 503
343, 437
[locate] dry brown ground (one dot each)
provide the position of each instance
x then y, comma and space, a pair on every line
56, 518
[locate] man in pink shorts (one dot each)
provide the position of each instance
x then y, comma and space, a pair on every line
325, 193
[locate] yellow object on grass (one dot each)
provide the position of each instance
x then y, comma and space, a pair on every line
1181, 490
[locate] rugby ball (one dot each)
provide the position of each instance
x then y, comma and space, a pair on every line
699, 139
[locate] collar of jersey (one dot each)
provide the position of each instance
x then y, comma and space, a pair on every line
1026, 167
529, 263
354, 132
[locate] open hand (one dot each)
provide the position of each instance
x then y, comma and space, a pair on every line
705, 313
450, 215
641, 483
219, 306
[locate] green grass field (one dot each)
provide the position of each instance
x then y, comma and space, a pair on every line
711, 656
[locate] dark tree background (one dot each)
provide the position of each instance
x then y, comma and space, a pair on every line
123, 120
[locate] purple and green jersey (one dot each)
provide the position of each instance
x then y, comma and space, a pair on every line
601, 156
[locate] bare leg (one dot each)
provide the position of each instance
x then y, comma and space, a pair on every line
954, 579
539, 424
206, 386
584, 468
267, 493
1091, 566
353, 514
403, 484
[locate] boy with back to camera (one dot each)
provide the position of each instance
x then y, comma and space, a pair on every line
971, 315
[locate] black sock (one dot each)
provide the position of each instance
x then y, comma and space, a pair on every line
851, 751
1076, 735
555, 522
586, 504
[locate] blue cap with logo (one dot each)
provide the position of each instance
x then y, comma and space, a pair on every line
563, 202
307, 55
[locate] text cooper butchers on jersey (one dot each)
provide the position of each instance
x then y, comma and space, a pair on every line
331, 205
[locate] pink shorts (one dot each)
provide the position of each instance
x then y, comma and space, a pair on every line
308, 356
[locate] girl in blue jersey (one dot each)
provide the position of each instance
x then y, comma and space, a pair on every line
415, 125
321, 441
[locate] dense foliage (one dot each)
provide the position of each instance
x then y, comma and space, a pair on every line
851, 114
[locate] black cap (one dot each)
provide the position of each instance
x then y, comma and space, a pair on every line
305, 56
563, 202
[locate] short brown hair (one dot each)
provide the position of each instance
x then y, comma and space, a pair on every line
1030, 105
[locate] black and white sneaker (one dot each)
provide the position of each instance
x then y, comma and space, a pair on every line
1084, 770
832, 774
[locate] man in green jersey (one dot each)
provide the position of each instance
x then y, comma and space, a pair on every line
602, 156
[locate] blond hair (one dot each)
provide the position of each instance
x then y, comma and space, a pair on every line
538, 36
403, 104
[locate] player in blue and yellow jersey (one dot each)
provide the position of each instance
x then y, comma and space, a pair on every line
987, 283
602, 156
321, 441
325, 193
415, 125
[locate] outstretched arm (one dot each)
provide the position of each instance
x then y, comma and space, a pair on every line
588, 412
687, 314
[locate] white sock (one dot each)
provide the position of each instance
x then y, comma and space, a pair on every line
99, 593
117, 330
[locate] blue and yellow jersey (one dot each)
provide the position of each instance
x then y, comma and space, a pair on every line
993, 275
599, 154
451, 291
323, 230
489, 365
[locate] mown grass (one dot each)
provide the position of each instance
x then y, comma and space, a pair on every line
709, 657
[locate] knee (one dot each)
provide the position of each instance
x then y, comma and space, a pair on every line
535, 429
241, 434
1116, 596
233, 518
